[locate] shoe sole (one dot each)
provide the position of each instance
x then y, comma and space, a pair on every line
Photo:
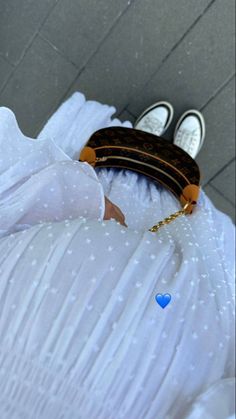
199, 115
155, 105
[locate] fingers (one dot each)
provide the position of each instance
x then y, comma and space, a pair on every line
119, 215
113, 211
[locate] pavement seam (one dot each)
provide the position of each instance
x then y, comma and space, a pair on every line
63, 98
218, 91
27, 47
190, 28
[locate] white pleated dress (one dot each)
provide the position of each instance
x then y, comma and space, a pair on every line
81, 334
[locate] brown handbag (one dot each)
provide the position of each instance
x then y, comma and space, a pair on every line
153, 156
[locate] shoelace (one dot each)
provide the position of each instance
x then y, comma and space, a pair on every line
187, 139
153, 124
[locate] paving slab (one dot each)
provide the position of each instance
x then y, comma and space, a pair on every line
199, 65
37, 85
5, 71
219, 146
224, 182
19, 21
220, 202
135, 48
77, 28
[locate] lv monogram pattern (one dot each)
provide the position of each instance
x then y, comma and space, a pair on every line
172, 166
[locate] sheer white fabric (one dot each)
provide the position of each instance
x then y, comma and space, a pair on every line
81, 333
216, 403
39, 182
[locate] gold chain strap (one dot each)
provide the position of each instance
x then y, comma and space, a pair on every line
171, 217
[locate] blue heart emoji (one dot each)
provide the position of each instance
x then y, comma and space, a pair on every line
163, 299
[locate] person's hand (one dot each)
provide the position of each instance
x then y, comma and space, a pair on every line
112, 211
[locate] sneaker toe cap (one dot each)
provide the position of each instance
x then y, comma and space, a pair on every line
191, 123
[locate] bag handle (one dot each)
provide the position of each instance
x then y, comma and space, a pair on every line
151, 155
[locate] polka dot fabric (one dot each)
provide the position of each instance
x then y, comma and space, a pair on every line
40, 183
81, 333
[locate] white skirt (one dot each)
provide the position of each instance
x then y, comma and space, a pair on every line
81, 333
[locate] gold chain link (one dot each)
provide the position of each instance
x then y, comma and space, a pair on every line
171, 217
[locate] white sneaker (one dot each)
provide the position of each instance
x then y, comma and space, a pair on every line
155, 119
190, 132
